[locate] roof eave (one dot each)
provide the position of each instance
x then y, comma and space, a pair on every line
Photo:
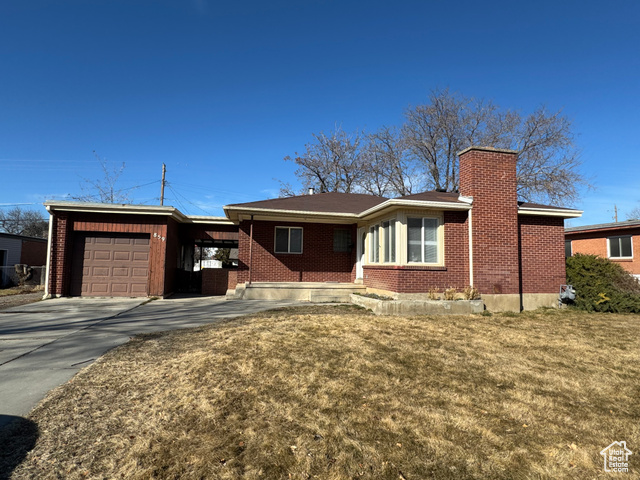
233, 213
116, 208
550, 212
425, 204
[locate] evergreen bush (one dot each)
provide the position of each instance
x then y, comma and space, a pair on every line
602, 285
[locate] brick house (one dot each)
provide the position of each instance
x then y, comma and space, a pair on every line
512, 252
619, 242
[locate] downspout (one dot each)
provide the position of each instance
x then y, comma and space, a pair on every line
48, 267
470, 248
250, 249
520, 289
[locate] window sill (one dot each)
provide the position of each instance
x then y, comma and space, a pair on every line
621, 259
436, 268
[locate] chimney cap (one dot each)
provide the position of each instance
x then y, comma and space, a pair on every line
487, 149
311, 190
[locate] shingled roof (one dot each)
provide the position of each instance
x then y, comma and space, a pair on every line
320, 202
351, 205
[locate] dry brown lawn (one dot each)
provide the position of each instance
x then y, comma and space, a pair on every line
336, 393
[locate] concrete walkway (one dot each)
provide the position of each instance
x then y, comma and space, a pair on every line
42, 345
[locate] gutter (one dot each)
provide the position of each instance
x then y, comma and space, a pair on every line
550, 212
464, 205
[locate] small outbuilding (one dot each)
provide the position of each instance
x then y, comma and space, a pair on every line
20, 249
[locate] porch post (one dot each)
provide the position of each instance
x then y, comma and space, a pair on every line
250, 248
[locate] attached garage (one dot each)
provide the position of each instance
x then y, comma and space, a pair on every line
111, 265
106, 250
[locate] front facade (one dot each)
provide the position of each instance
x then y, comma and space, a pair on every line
619, 242
405, 247
512, 252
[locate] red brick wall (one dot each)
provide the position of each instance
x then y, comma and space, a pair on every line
60, 261
172, 256
33, 253
317, 263
66, 223
543, 262
414, 279
216, 281
490, 178
595, 243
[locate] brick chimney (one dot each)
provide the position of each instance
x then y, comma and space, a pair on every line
489, 176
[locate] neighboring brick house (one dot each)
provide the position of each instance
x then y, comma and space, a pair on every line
20, 249
619, 242
482, 236
512, 252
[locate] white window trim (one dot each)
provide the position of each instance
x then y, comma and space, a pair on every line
289, 252
616, 238
401, 238
381, 241
404, 251
423, 241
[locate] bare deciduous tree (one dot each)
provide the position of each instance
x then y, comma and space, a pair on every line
634, 214
422, 154
332, 163
24, 222
105, 189
389, 170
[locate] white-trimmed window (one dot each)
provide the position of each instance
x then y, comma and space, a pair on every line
620, 247
374, 244
288, 240
382, 242
422, 240
389, 235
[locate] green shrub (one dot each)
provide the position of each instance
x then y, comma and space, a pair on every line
602, 285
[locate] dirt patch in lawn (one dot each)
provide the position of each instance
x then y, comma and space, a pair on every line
334, 392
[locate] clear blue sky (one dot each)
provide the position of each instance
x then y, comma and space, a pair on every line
222, 91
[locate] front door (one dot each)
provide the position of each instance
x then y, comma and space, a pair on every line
360, 254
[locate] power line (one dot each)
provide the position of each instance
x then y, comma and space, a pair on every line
187, 200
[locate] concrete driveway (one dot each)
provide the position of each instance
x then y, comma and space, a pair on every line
42, 345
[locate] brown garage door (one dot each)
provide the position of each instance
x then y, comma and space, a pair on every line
110, 265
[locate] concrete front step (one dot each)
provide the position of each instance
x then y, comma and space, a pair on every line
302, 291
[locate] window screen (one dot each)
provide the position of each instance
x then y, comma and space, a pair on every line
341, 240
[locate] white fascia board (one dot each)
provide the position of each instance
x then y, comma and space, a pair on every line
235, 212
293, 213
416, 204
115, 208
209, 219
550, 212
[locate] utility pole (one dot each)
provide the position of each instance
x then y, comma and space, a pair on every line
164, 170
615, 212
